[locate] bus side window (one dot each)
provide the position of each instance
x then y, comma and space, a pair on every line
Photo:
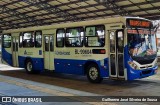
74, 37
112, 42
51, 43
120, 41
46, 43
60, 38
28, 39
67, 42
95, 36
6, 43
21, 39
38, 38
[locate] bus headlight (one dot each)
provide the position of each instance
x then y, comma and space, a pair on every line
156, 64
133, 65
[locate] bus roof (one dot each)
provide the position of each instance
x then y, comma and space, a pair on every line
72, 24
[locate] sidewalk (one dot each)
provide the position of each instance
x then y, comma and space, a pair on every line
10, 86
4, 67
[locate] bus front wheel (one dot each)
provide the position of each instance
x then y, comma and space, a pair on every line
29, 66
93, 74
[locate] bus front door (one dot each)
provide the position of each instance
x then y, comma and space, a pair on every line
48, 52
15, 41
116, 56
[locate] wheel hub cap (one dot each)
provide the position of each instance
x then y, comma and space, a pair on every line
29, 66
93, 73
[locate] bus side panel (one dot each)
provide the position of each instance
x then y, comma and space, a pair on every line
21, 61
6, 56
38, 63
69, 66
104, 68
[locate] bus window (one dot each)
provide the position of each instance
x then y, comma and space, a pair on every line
120, 41
6, 41
112, 42
74, 37
51, 43
20, 39
95, 36
28, 39
60, 38
38, 39
46, 43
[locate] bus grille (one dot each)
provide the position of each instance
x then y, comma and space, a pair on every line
145, 62
146, 72
146, 67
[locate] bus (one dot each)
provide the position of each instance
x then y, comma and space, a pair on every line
119, 48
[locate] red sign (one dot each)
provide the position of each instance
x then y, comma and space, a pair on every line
139, 23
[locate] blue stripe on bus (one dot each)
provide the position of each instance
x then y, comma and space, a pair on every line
72, 66
65, 65
69, 66
7, 57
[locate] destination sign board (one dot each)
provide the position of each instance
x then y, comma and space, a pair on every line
139, 23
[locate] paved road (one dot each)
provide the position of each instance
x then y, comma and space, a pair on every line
80, 86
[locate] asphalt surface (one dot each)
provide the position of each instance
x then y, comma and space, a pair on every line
79, 85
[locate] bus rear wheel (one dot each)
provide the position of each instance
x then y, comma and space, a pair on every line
93, 74
29, 66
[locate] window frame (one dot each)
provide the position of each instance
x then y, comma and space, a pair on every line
82, 43
85, 43
62, 37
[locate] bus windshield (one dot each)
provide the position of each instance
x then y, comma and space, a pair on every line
141, 44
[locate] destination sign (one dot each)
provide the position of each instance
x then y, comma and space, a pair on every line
139, 23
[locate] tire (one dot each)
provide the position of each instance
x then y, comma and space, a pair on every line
93, 74
29, 66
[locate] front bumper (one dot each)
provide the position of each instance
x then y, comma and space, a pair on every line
137, 74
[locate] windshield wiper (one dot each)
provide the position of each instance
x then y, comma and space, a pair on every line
156, 27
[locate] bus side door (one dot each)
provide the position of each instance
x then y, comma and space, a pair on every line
15, 40
48, 52
116, 56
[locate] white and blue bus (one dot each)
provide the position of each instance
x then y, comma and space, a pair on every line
119, 48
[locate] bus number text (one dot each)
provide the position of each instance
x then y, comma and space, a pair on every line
83, 51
